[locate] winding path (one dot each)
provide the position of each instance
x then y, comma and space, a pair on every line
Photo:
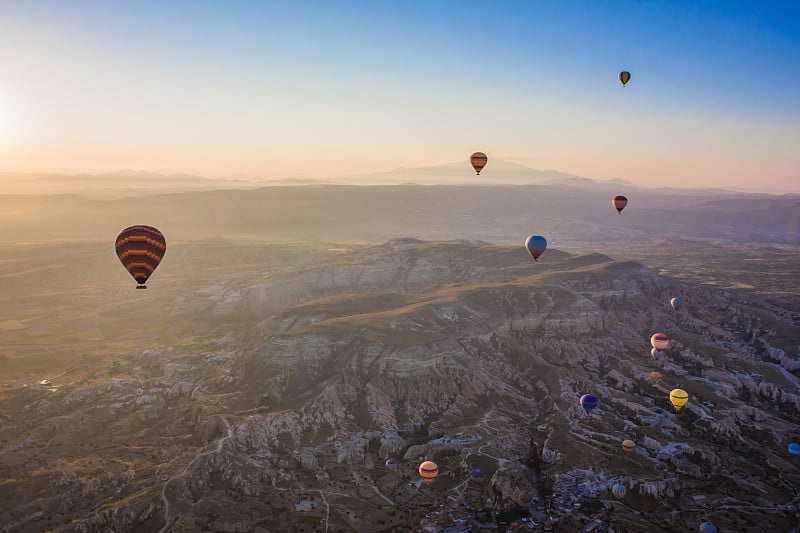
183, 472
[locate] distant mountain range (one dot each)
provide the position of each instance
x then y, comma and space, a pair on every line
568, 213
128, 182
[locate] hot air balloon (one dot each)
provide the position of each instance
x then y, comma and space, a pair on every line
624, 77
478, 161
391, 464
659, 341
628, 445
655, 376
678, 397
676, 303
428, 470
619, 203
477, 474
619, 490
588, 402
794, 448
535, 244
708, 527
140, 249
654, 352
700, 423
791, 509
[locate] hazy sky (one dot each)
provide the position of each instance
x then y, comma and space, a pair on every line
275, 89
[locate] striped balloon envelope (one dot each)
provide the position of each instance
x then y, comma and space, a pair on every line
478, 161
428, 471
619, 202
140, 249
659, 341
628, 445
679, 398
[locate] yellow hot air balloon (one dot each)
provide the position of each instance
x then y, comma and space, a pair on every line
678, 397
655, 376
428, 470
628, 445
624, 77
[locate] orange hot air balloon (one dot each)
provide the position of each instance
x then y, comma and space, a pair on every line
140, 249
619, 203
655, 376
478, 161
428, 471
628, 445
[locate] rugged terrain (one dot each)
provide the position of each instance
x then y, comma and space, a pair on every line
262, 389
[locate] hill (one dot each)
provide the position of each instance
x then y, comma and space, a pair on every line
571, 216
263, 388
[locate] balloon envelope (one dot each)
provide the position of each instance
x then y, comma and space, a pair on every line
628, 445
428, 470
478, 161
676, 303
140, 250
619, 203
535, 244
794, 448
588, 402
624, 77
708, 527
391, 464
678, 397
659, 341
654, 352
655, 376
477, 474
619, 490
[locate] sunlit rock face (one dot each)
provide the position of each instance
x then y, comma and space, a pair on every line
469, 355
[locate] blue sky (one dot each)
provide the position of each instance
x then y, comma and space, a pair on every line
330, 88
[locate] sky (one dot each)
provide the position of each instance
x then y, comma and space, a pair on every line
324, 89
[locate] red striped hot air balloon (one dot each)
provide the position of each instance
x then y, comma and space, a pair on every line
619, 203
659, 341
140, 249
478, 161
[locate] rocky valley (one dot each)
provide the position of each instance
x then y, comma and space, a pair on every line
264, 388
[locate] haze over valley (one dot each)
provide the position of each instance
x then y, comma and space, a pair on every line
260, 385
380, 267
